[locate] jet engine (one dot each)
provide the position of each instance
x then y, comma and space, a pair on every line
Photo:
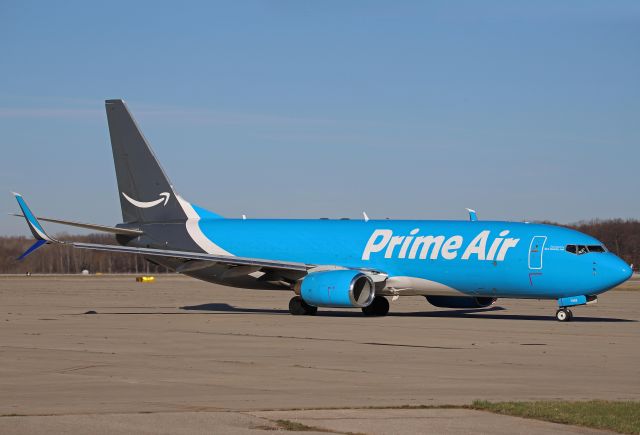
337, 288
460, 301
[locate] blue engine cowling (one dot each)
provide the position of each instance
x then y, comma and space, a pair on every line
460, 301
338, 289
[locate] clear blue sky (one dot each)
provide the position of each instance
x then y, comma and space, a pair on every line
523, 110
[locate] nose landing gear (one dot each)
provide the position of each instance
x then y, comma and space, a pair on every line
564, 315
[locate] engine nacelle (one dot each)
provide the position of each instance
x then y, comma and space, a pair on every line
460, 301
338, 289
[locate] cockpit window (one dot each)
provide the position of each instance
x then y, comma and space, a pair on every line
583, 249
596, 248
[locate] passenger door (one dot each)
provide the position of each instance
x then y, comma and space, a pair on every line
536, 249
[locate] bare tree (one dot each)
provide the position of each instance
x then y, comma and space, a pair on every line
64, 259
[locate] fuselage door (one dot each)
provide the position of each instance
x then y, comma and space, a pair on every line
535, 252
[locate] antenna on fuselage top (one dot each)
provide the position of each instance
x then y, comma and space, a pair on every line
472, 215
366, 218
244, 217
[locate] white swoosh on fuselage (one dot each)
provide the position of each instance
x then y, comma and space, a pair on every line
164, 197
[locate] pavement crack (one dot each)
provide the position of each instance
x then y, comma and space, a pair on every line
414, 345
74, 369
335, 340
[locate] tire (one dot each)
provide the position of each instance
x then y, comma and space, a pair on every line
310, 309
378, 307
563, 315
298, 307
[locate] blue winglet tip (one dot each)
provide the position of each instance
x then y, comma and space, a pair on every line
473, 216
33, 247
35, 227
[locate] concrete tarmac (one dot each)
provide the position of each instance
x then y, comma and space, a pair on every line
216, 358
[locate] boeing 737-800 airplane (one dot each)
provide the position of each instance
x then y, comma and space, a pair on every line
342, 263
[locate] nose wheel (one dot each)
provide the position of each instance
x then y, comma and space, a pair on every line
564, 315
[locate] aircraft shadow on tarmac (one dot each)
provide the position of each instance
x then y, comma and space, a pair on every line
482, 313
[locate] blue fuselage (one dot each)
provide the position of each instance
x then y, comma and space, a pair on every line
480, 258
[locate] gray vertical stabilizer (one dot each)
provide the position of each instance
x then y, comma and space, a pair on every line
146, 194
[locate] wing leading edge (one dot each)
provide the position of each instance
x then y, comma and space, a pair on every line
94, 227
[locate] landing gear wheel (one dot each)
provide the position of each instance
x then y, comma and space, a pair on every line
564, 315
298, 307
379, 307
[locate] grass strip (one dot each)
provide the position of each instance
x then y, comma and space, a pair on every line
297, 427
621, 417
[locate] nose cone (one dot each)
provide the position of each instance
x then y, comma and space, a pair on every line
626, 271
616, 271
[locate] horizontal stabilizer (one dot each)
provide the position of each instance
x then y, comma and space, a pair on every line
94, 227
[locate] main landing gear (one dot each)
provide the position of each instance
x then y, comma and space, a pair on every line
564, 315
298, 307
378, 307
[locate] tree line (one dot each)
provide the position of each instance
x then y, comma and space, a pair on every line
620, 236
65, 259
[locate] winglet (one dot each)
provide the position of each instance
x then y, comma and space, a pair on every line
33, 247
472, 215
35, 227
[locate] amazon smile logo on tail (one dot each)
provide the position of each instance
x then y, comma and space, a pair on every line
140, 204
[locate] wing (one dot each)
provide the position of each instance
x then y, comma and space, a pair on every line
94, 227
190, 261
194, 256
203, 259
